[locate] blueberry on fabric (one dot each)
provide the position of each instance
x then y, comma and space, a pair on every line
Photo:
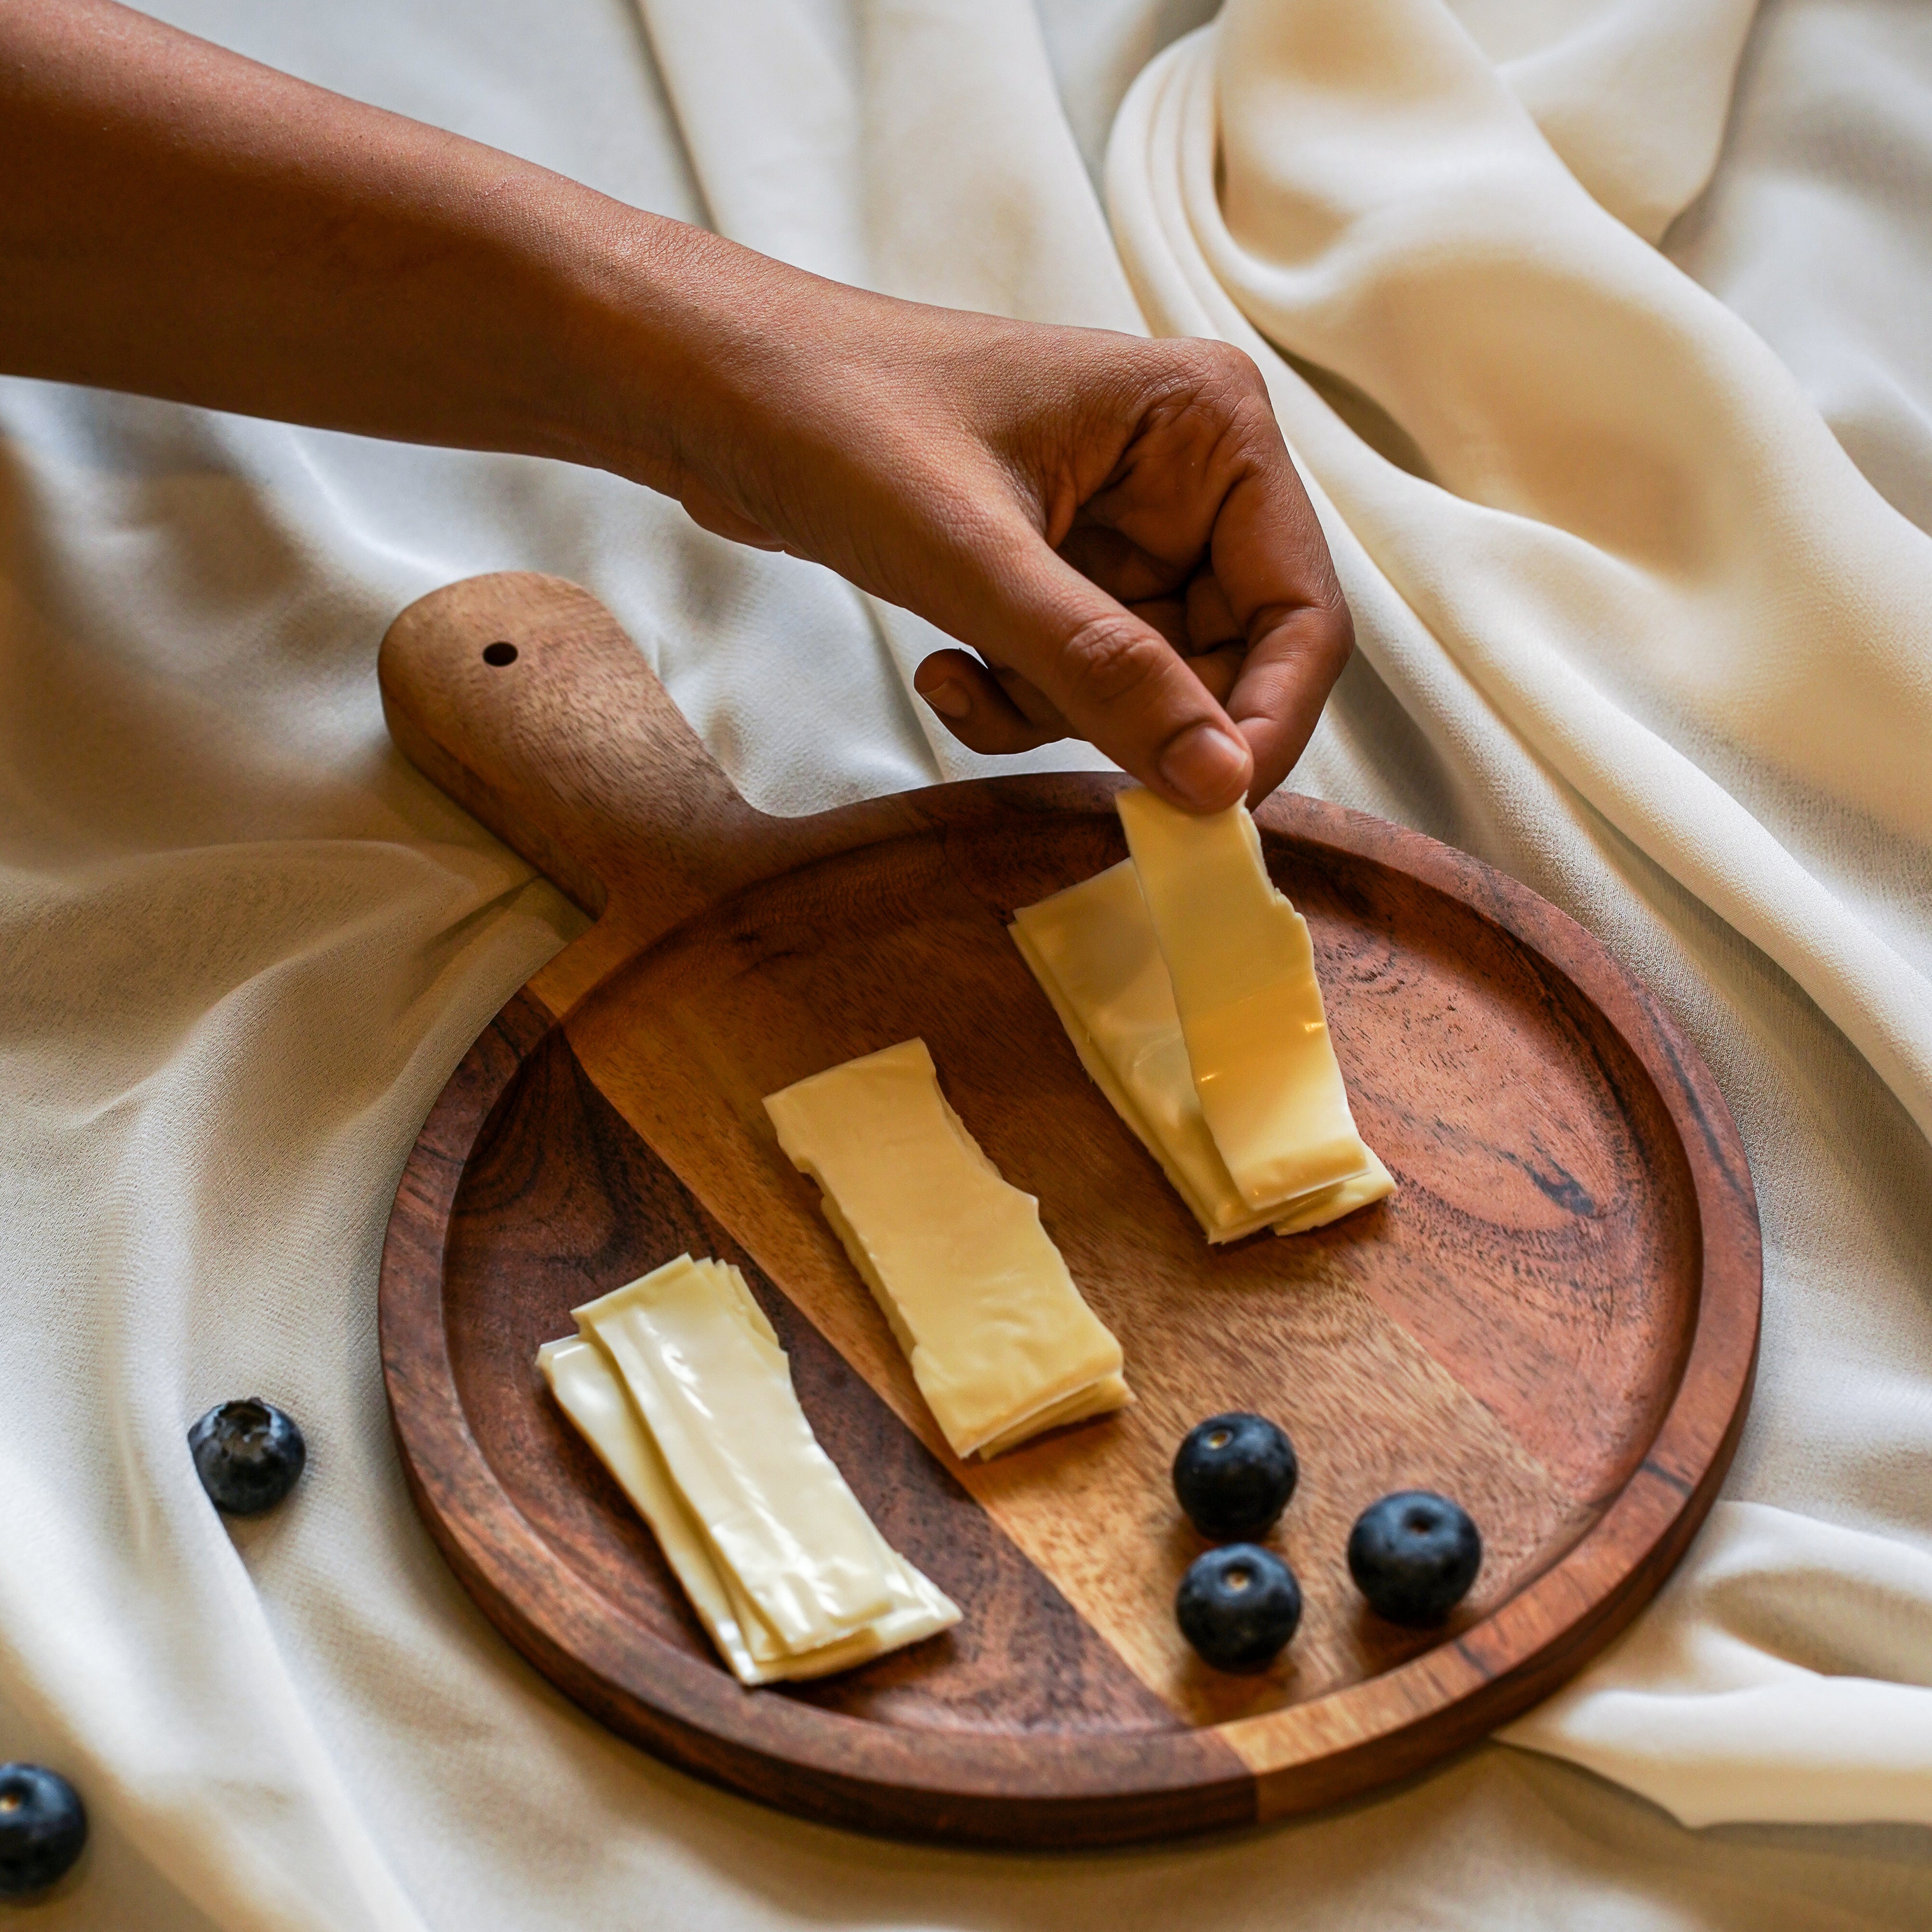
42, 1827
1413, 1555
1234, 1475
248, 1455
1238, 1605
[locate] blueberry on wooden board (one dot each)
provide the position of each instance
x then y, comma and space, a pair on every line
1234, 1475
248, 1455
1238, 1605
42, 1827
1413, 1555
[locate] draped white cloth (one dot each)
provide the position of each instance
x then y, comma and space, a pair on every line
1636, 624
1577, 483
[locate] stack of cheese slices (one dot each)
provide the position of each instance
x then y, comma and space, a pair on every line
1186, 984
677, 1382
1000, 1341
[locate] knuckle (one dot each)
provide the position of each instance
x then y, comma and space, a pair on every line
1332, 622
1213, 393
1325, 631
1211, 365
1341, 630
1239, 369
1318, 632
1108, 657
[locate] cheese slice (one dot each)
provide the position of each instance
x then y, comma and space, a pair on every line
1000, 1342
715, 1393
1242, 968
1373, 1183
918, 1608
589, 1390
1093, 950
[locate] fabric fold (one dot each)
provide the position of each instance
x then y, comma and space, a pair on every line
245, 944
1574, 476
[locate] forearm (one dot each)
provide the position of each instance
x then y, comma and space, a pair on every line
1112, 524
179, 221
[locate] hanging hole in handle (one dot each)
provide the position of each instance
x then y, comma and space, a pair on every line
499, 654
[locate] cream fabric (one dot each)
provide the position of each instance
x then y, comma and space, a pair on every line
1633, 94
1788, 1676
1600, 499
244, 943
917, 147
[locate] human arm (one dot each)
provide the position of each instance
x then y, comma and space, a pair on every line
1112, 525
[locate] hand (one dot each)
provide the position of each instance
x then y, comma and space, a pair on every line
1113, 525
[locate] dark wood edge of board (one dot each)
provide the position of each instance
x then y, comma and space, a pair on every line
1043, 1791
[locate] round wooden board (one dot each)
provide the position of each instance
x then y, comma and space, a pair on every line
1554, 1319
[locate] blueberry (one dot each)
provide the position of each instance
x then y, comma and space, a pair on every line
1238, 1605
43, 1826
1413, 1555
1235, 1474
248, 1456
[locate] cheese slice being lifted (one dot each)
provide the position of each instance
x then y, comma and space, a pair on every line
1242, 970
591, 1393
1000, 1342
1094, 950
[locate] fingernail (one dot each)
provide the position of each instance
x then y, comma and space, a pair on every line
948, 699
1203, 764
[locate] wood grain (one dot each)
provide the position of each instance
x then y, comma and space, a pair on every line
558, 1200
1554, 1319
827, 965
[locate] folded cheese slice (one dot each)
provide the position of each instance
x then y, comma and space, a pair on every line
592, 1394
588, 1390
1092, 948
1000, 1342
1094, 951
714, 1391
1242, 969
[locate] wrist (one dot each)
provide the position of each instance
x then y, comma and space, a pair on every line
660, 328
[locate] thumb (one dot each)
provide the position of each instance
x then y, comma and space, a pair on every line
1116, 680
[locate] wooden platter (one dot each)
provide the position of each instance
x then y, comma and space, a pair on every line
1555, 1320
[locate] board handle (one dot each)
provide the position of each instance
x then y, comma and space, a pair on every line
522, 698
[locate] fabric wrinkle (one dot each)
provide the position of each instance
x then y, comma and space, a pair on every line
1636, 625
